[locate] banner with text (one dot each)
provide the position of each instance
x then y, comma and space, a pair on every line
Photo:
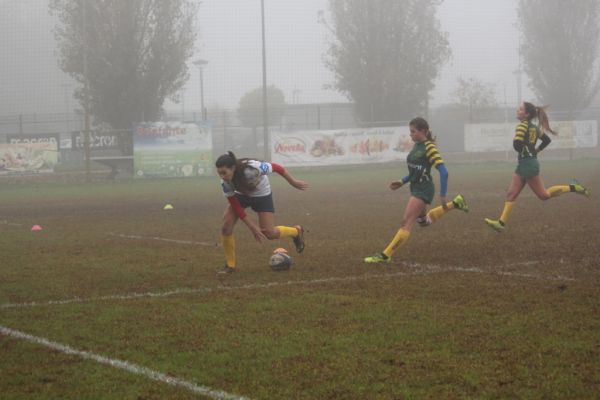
28, 158
98, 140
499, 137
172, 149
339, 147
34, 138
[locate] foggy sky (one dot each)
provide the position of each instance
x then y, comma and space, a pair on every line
482, 35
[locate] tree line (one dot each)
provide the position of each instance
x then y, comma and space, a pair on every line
128, 57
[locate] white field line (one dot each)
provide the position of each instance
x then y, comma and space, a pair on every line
131, 296
120, 235
4, 222
423, 270
437, 268
124, 365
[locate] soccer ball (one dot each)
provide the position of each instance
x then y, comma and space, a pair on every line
280, 260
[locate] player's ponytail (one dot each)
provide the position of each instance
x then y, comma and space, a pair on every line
543, 119
239, 180
430, 136
538, 112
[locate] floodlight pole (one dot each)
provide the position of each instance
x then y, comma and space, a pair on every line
86, 100
201, 64
267, 149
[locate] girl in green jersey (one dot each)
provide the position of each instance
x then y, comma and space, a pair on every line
421, 158
527, 135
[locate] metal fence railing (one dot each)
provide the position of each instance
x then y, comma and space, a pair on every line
114, 148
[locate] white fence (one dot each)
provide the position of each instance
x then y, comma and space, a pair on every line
499, 137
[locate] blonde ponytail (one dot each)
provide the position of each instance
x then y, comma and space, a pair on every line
543, 119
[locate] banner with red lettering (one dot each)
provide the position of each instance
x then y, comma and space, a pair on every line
340, 147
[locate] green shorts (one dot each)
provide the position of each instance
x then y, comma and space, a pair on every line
528, 167
424, 191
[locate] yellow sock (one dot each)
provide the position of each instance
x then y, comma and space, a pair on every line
436, 213
557, 190
287, 231
228, 243
508, 206
398, 240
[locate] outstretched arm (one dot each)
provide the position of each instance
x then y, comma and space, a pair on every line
298, 184
398, 184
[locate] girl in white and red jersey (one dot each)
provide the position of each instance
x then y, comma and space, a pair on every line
245, 184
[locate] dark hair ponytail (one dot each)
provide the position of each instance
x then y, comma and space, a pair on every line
421, 124
239, 180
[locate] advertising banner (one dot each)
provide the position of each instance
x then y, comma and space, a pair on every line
28, 158
340, 147
172, 149
34, 138
499, 137
98, 140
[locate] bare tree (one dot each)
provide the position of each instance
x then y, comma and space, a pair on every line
386, 55
131, 54
250, 111
560, 50
475, 95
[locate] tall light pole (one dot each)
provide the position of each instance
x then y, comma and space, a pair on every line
182, 100
65, 87
200, 63
518, 73
86, 98
264, 73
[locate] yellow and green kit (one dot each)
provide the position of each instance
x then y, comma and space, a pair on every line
421, 158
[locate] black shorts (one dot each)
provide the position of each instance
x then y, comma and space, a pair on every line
258, 204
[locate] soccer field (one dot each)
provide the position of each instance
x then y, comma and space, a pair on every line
117, 298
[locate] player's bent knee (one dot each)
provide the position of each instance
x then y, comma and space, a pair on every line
271, 234
227, 229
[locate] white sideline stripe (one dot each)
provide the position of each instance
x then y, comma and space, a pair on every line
437, 268
163, 239
425, 270
124, 365
131, 296
4, 222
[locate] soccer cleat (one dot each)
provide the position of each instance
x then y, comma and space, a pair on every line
226, 270
378, 258
579, 188
496, 225
423, 221
460, 203
299, 240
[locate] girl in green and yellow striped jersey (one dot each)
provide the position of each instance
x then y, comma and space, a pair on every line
528, 169
421, 158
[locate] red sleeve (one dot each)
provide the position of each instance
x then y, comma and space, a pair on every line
237, 207
278, 168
